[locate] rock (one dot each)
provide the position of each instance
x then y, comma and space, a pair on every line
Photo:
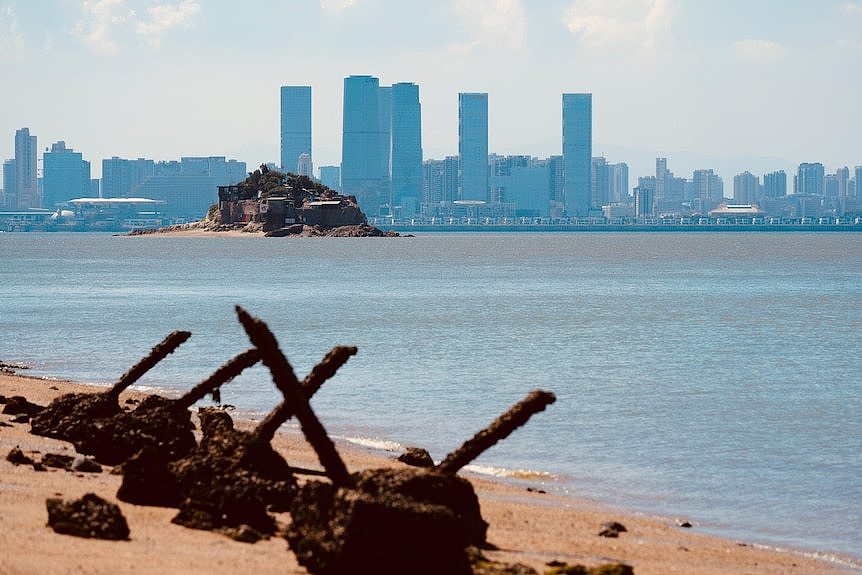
341, 530
67, 416
481, 565
57, 460
243, 534
417, 457
148, 481
23, 418
90, 516
612, 529
85, 465
685, 524
18, 405
17, 457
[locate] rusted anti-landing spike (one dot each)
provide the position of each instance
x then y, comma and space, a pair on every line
157, 354
501, 427
324, 370
222, 375
285, 379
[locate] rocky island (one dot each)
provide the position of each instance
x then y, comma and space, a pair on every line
278, 204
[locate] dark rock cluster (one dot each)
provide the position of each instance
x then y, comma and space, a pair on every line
90, 516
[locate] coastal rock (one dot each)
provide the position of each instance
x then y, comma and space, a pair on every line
147, 480
612, 529
67, 416
341, 530
90, 516
481, 565
18, 405
85, 465
417, 457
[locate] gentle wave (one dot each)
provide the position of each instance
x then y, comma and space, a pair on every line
526, 474
372, 443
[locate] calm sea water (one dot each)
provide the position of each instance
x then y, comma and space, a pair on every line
714, 377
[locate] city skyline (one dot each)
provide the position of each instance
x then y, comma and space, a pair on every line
669, 79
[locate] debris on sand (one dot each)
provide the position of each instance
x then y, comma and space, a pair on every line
382, 520
158, 422
233, 477
90, 516
69, 415
18, 405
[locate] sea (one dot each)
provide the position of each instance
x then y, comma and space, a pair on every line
708, 377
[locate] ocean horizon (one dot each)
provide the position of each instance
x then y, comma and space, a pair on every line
707, 376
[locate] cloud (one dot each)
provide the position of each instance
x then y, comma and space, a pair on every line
852, 8
759, 50
11, 38
101, 17
601, 23
501, 23
164, 17
337, 6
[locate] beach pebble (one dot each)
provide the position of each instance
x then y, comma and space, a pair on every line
17, 457
686, 524
612, 529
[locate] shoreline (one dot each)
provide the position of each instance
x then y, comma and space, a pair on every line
527, 525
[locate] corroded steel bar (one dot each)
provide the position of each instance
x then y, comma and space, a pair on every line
157, 354
285, 379
324, 370
222, 375
499, 429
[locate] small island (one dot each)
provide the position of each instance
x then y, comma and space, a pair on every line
278, 204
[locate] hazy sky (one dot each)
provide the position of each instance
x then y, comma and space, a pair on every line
758, 84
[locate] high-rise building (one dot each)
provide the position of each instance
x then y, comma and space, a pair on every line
295, 126
406, 144
473, 146
9, 173
362, 166
577, 152
121, 177
745, 188
662, 178
858, 178
599, 182
707, 189
26, 189
775, 184
330, 176
384, 120
440, 180
809, 179
618, 182
65, 175
843, 177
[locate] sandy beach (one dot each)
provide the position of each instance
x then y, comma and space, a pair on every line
526, 525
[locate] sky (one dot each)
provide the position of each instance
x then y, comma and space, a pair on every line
733, 85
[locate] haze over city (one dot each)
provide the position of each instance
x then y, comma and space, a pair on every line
733, 86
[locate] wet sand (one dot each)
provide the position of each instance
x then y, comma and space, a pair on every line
527, 526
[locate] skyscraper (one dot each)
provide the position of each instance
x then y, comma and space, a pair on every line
577, 152
599, 183
361, 162
745, 188
775, 184
809, 179
406, 148
618, 181
295, 126
858, 180
65, 175
384, 121
26, 186
9, 199
473, 145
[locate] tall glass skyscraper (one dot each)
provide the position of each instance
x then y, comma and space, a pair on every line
295, 126
577, 152
406, 149
26, 186
362, 166
473, 146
